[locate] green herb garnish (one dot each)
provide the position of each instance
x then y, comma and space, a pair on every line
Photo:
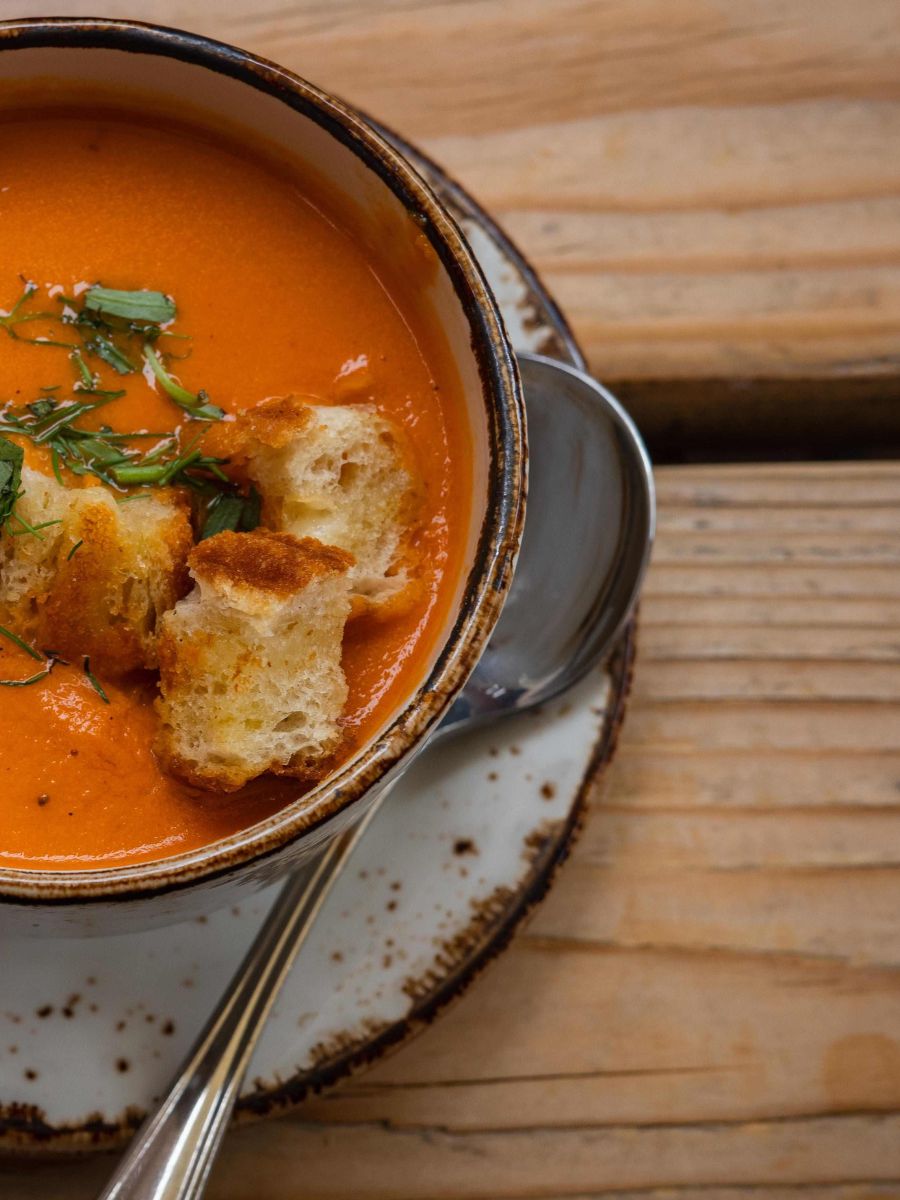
94, 681
232, 511
48, 658
197, 405
87, 379
33, 530
17, 641
141, 307
110, 353
55, 463
49, 665
108, 456
223, 512
11, 459
74, 549
112, 323
122, 329
15, 316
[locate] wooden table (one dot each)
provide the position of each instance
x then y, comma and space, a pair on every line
708, 1004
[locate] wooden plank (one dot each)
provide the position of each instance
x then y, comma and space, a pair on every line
723, 946
708, 1005
705, 185
697, 642
344, 1161
861, 612
708, 1002
652, 776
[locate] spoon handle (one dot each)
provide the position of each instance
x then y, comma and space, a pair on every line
172, 1153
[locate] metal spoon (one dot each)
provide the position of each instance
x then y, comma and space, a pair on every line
588, 534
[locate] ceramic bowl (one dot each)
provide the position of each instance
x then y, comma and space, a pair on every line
269, 104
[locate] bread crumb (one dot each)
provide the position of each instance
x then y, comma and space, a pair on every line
250, 660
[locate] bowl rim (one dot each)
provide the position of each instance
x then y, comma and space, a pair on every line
491, 568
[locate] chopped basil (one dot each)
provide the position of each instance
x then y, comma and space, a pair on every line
232, 511
17, 641
121, 328
145, 307
15, 316
11, 459
33, 530
32, 678
87, 379
197, 405
54, 462
94, 681
111, 354
251, 514
48, 658
224, 512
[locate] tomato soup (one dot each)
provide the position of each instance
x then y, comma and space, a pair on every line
278, 294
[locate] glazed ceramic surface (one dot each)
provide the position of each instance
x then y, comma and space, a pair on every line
92, 1029
391, 205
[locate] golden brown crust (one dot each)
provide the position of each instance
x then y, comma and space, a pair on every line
250, 662
76, 618
103, 601
272, 424
312, 770
275, 563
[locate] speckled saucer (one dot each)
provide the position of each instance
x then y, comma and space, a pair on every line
91, 1031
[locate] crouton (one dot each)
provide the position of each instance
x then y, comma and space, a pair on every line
97, 583
250, 660
107, 599
342, 474
28, 563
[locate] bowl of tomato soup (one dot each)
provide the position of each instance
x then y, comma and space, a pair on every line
262, 458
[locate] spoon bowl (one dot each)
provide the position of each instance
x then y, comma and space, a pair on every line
588, 534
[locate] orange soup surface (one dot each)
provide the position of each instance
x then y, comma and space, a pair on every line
278, 294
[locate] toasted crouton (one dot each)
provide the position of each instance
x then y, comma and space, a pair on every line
250, 661
342, 474
97, 582
28, 563
106, 601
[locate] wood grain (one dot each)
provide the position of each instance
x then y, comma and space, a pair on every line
707, 1005
708, 186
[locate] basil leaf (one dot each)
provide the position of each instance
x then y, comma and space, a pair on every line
87, 379
94, 681
111, 354
33, 679
11, 459
17, 641
41, 408
198, 406
224, 512
250, 515
152, 308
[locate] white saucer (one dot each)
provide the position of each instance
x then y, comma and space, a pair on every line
91, 1030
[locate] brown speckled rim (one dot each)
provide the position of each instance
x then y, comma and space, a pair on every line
488, 935
26, 1133
24, 1129
501, 530
559, 340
